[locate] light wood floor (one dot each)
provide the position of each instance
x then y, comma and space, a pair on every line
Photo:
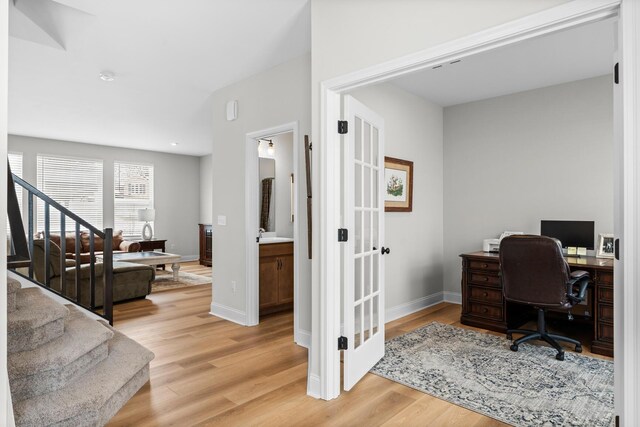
208, 371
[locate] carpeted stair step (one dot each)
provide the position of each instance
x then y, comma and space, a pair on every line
12, 287
53, 365
36, 320
96, 396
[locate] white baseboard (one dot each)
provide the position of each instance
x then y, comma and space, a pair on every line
228, 313
186, 258
410, 307
313, 386
303, 338
453, 297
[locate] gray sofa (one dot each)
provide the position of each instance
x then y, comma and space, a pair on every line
130, 281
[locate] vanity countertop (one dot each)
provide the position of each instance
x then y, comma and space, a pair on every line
271, 240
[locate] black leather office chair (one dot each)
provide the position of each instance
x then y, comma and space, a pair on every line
534, 272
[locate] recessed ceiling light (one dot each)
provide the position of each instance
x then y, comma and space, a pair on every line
174, 144
107, 76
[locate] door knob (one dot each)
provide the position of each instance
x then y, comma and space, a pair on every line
385, 250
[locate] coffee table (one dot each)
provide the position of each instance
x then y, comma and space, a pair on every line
151, 258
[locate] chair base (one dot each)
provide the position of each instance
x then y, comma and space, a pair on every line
542, 335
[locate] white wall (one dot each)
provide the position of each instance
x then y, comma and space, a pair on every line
413, 131
272, 98
514, 160
206, 185
176, 185
347, 36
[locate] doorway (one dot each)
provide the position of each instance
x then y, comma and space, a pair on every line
271, 223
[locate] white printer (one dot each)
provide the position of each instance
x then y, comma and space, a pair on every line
493, 245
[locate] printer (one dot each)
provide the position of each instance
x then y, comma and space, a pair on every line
493, 245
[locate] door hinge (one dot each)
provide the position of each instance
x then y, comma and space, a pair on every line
616, 249
616, 74
617, 420
343, 126
343, 343
343, 234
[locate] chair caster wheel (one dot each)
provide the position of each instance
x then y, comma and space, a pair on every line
514, 347
509, 337
560, 356
578, 349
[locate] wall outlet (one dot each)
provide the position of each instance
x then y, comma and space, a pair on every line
233, 286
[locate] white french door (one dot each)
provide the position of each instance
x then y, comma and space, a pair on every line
363, 272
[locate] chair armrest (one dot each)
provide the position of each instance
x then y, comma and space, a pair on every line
579, 279
129, 246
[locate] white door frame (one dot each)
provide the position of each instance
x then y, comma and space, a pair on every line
565, 16
252, 224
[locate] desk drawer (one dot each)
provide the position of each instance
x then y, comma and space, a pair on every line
488, 311
605, 277
605, 312
485, 294
605, 294
484, 265
484, 279
605, 332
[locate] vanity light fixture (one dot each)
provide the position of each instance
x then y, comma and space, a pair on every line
107, 76
271, 150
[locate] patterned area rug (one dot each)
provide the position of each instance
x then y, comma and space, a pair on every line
164, 281
479, 372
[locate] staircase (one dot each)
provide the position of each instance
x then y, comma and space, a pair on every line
66, 369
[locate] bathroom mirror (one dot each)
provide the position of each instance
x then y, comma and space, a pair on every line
267, 191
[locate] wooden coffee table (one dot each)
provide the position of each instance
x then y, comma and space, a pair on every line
151, 258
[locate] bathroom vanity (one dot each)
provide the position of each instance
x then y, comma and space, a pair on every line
276, 275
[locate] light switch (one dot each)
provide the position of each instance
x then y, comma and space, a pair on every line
222, 220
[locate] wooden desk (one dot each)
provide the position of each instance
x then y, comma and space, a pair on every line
483, 304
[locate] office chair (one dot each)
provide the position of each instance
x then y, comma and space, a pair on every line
535, 273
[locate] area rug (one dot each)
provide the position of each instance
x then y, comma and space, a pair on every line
164, 281
479, 372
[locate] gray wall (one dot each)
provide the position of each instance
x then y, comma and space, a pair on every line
413, 131
206, 185
514, 160
176, 190
272, 98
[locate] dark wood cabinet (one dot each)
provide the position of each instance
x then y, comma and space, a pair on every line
483, 305
206, 244
276, 277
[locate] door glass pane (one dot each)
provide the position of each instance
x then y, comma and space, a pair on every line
374, 150
376, 188
367, 320
357, 282
358, 138
367, 186
376, 272
366, 143
367, 276
376, 315
357, 312
366, 232
358, 232
374, 231
357, 180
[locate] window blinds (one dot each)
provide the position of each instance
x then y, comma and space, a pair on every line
15, 161
76, 184
133, 190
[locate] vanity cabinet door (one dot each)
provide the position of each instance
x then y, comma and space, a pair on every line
268, 281
285, 279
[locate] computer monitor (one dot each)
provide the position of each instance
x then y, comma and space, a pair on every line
579, 234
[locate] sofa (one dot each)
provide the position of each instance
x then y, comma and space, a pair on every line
130, 281
118, 244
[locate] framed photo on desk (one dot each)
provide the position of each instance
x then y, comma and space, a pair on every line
606, 246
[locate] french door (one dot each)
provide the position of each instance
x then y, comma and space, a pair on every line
363, 272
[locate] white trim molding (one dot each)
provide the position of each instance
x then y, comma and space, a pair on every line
303, 338
313, 386
407, 308
452, 297
326, 267
228, 313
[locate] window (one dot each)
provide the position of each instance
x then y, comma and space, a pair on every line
74, 183
133, 190
15, 161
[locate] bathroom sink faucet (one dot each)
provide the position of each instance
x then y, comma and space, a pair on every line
260, 232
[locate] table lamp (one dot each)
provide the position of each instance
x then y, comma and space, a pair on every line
147, 215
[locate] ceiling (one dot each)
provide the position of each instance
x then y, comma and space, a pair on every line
570, 55
167, 56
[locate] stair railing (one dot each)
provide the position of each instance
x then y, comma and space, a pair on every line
64, 291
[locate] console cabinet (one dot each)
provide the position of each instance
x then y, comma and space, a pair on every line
276, 277
206, 244
484, 306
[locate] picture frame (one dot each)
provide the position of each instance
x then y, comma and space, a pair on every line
606, 246
398, 180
